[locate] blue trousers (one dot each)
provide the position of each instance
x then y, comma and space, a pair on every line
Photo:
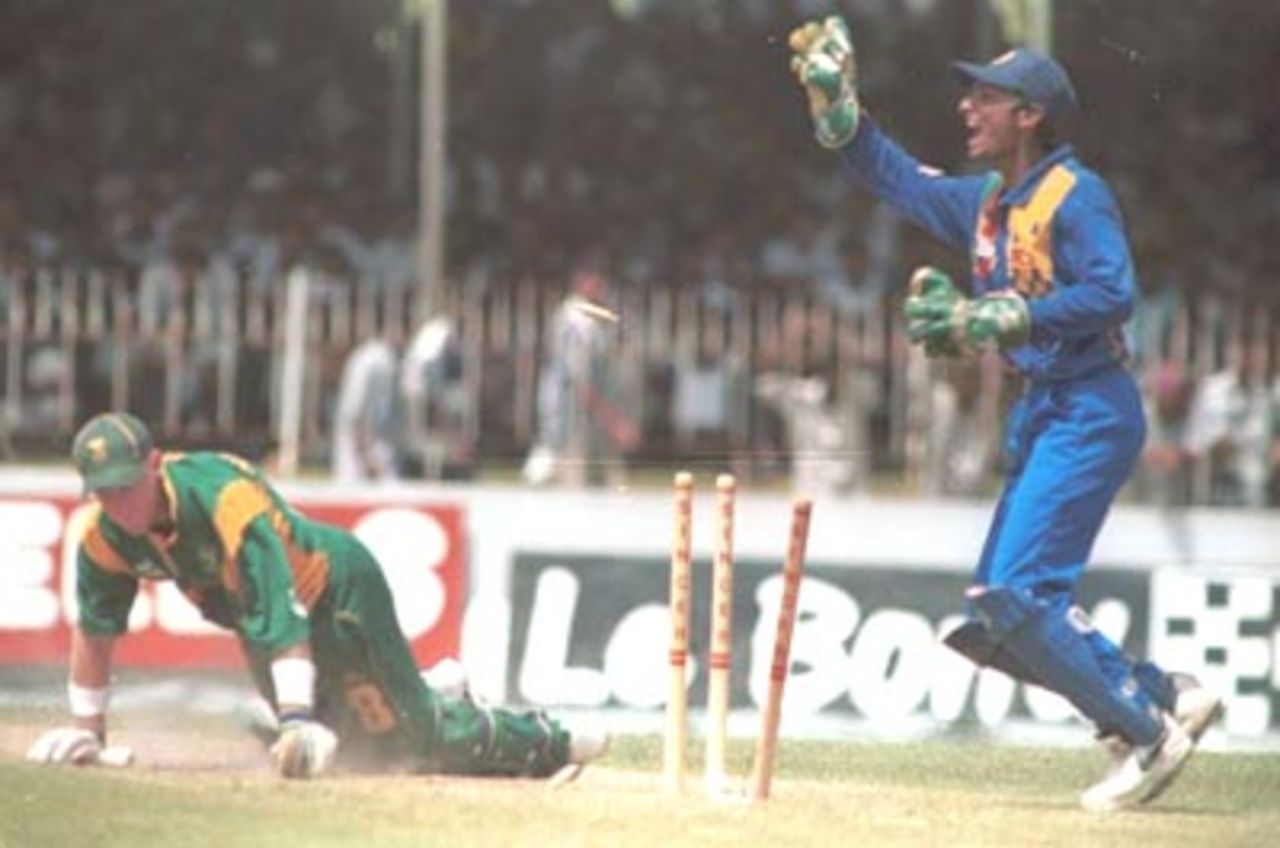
1070, 446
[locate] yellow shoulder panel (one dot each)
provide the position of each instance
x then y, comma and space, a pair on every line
100, 551
238, 505
1031, 233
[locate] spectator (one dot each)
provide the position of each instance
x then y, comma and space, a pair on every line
366, 417
437, 382
820, 459
1164, 474
1232, 429
709, 403
583, 430
820, 445
960, 448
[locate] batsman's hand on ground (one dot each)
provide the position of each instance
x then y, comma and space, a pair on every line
77, 746
824, 65
305, 748
950, 324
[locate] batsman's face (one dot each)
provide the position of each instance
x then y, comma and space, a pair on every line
133, 507
991, 116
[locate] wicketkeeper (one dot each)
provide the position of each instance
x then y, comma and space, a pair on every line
310, 606
1052, 283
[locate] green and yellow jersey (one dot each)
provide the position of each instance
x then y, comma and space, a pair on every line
253, 564
247, 559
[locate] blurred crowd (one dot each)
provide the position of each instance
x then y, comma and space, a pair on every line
195, 154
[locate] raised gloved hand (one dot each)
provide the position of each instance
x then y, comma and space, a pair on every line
824, 65
305, 748
77, 746
950, 324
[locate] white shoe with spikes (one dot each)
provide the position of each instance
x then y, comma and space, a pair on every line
1144, 774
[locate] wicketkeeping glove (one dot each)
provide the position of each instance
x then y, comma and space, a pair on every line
77, 746
933, 289
950, 324
824, 65
305, 748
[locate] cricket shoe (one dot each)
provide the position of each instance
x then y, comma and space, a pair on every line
1196, 705
587, 743
1145, 773
448, 678
1195, 708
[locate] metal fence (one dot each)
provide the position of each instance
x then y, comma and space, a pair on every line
200, 355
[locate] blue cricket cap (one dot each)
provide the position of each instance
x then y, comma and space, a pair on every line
1037, 78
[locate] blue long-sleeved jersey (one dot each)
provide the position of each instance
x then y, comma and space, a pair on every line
1056, 237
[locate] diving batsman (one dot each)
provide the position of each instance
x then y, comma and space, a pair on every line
309, 604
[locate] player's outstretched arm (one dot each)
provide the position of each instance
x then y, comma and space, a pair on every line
824, 64
88, 692
305, 748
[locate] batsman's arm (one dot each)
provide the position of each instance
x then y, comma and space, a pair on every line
105, 589
305, 747
293, 676
271, 595
272, 610
90, 682
83, 742
269, 586
270, 600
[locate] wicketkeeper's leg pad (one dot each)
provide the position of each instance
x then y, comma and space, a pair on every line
1118, 665
973, 640
1055, 649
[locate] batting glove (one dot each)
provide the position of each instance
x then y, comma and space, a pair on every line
950, 324
305, 748
77, 746
824, 65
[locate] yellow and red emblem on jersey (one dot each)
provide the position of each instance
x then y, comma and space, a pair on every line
1030, 240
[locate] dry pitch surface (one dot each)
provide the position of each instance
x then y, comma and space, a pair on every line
203, 782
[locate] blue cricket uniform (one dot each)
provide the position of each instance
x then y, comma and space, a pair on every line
1057, 238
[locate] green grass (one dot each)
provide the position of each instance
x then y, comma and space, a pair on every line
937, 793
